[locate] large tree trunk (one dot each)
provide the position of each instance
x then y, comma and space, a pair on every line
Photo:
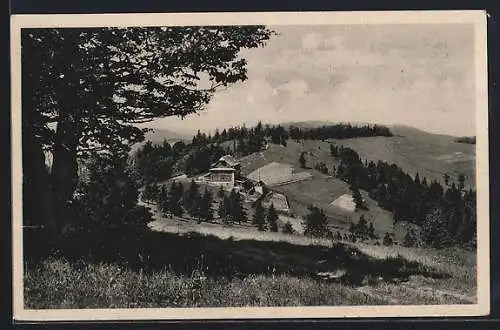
64, 174
36, 202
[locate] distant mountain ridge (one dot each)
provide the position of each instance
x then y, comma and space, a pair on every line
157, 135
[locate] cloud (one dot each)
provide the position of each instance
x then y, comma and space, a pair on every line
419, 75
295, 88
311, 41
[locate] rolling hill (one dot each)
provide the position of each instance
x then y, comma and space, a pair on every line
415, 151
158, 135
319, 190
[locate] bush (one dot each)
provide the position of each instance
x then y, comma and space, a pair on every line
388, 239
288, 228
315, 222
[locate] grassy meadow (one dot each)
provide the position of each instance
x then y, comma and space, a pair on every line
194, 270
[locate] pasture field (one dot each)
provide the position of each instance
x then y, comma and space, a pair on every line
415, 151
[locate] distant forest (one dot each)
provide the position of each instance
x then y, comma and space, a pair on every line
160, 162
447, 215
278, 133
466, 139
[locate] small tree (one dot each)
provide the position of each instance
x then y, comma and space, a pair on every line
461, 182
316, 224
288, 228
272, 218
221, 192
206, 211
147, 193
163, 200
228, 220
191, 196
388, 239
224, 207
410, 238
358, 199
155, 191
435, 230
237, 210
302, 160
259, 217
353, 228
371, 231
362, 227
175, 197
446, 179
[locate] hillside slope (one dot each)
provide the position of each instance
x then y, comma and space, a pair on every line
320, 190
415, 151
431, 155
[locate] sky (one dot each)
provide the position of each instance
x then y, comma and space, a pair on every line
420, 75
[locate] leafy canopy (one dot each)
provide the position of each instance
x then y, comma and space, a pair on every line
104, 80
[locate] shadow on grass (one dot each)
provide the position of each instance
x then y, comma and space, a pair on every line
138, 248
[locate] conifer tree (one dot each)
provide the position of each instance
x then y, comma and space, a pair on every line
206, 209
191, 198
410, 238
302, 160
316, 224
272, 218
434, 230
220, 192
236, 207
163, 200
288, 228
224, 208
358, 199
175, 199
352, 228
388, 239
259, 219
371, 231
362, 227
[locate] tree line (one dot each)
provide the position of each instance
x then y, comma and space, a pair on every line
466, 139
249, 140
162, 161
338, 131
179, 201
447, 214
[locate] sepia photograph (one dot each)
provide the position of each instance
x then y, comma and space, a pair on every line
250, 165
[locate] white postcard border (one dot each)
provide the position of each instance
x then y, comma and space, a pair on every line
478, 18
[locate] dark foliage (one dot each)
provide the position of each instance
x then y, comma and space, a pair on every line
316, 223
272, 218
466, 139
302, 160
259, 217
431, 206
287, 228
